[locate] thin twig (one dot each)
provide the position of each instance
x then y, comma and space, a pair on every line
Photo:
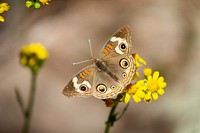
124, 110
20, 100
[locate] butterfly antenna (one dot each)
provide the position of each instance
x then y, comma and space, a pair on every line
90, 48
80, 62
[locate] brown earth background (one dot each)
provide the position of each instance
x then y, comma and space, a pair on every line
166, 33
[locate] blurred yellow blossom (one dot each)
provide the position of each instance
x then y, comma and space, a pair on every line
29, 3
33, 56
39, 50
3, 7
36, 3
1, 19
1, 10
45, 2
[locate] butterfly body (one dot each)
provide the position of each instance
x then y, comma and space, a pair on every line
101, 66
107, 76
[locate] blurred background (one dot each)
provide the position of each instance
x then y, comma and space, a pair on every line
165, 33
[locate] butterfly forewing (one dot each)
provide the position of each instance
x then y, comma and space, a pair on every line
112, 49
81, 84
116, 54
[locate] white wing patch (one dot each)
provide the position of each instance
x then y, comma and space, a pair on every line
76, 85
87, 84
119, 40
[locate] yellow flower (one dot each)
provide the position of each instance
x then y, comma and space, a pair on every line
2, 19
45, 2
32, 61
33, 56
147, 97
127, 98
1, 10
23, 60
29, 4
138, 60
39, 50
135, 76
147, 89
4, 7
155, 85
147, 71
137, 91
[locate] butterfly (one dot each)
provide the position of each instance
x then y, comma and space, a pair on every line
107, 76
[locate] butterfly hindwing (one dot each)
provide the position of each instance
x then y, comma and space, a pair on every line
123, 67
105, 86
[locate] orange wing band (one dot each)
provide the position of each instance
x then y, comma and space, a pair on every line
82, 76
105, 51
110, 46
86, 71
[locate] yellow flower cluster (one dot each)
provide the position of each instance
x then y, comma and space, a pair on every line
147, 88
3, 7
33, 56
36, 3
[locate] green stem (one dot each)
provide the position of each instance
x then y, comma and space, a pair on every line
28, 113
111, 118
